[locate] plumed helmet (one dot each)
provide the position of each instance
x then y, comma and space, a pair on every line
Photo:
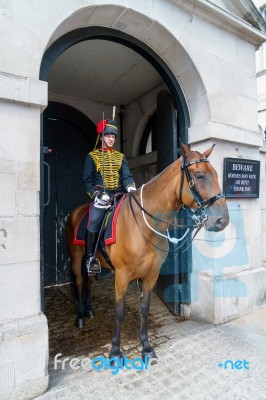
109, 126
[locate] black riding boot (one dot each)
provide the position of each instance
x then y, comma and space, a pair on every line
92, 265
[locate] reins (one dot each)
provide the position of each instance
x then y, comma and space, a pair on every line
198, 216
173, 239
131, 195
153, 216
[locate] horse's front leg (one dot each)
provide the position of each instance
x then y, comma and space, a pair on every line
120, 295
147, 350
87, 304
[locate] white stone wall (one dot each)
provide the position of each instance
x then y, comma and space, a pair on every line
213, 60
23, 328
261, 85
229, 272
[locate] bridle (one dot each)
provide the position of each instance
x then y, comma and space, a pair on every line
198, 215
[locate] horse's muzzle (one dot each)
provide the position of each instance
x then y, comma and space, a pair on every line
218, 218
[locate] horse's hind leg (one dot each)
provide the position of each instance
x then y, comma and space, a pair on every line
76, 260
147, 350
87, 281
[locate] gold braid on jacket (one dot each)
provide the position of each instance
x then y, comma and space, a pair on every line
112, 164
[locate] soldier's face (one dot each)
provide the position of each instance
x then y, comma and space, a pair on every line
109, 140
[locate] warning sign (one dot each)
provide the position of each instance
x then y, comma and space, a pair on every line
241, 178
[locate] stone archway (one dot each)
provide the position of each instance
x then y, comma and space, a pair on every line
172, 58
153, 30
136, 28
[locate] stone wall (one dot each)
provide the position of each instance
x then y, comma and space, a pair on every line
212, 55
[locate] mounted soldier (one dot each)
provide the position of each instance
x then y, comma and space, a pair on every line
142, 245
106, 173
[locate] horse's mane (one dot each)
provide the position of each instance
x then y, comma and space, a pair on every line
160, 176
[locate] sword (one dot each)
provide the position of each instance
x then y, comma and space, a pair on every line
103, 143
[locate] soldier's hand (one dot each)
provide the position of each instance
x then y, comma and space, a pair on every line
102, 201
104, 197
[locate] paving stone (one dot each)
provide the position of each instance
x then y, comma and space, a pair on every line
189, 354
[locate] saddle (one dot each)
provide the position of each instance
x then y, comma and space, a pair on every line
108, 231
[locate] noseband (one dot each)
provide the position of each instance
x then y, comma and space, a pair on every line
199, 215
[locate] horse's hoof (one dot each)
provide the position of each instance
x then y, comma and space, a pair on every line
149, 357
89, 314
79, 323
116, 358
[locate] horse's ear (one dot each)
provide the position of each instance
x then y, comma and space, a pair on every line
209, 151
185, 150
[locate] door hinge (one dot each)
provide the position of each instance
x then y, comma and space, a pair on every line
47, 150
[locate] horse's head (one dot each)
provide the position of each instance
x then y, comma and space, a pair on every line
200, 190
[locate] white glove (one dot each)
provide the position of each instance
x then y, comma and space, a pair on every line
105, 197
131, 189
102, 201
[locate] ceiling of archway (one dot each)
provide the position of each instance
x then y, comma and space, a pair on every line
102, 71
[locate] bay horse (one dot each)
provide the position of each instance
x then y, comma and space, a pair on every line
141, 245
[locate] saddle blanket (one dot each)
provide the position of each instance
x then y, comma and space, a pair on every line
109, 235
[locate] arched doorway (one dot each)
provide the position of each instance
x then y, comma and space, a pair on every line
111, 35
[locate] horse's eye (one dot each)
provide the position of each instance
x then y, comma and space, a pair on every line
199, 175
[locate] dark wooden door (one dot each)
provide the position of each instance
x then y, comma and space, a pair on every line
68, 135
172, 285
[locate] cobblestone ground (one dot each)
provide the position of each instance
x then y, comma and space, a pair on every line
189, 354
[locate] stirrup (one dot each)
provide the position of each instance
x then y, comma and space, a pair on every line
93, 266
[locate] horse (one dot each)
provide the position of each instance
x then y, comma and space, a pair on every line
141, 245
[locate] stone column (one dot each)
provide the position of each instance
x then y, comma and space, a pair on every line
23, 327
